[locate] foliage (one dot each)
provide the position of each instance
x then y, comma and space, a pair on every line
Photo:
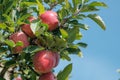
14, 13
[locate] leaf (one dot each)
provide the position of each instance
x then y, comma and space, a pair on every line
3, 26
28, 3
41, 8
10, 5
10, 43
60, 1
2, 78
67, 4
32, 49
73, 34
96, 18
19, 43
82, 26
64, 55
62, 75
3, 49
96, 3
76, 2
81, 44
88, 8
10, 63
64, 33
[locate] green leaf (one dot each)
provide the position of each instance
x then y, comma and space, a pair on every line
62, 75
41, 8
3, 49
67, 4
32, 49
10, 5
88, 8
2, 78
10, 43
81, 44
64, 33
60, 1
96, 3
28, 3
82, 26
19, 43
3, 26
64, 55
96, 18
76, 2
73, 34
59, 43
10, 63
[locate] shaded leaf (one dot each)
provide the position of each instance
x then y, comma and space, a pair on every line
81, 44
10, 63
32, 49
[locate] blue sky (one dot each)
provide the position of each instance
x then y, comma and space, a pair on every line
102, 56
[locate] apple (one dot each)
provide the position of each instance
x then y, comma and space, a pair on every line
57, 56
50, 18
47, 76
44, 61
19, 36
27, 29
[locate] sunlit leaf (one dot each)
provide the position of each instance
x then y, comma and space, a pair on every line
40, 7
10, 43
64, 33
62, 75
96, 18
96, 3
3, 26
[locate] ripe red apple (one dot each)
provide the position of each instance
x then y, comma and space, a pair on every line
57, 56
27, 29
44, 61
19, 36
50, 18
47, 76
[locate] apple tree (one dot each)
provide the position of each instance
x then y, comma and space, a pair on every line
36, 34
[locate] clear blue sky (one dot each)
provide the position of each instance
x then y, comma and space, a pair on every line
102, 56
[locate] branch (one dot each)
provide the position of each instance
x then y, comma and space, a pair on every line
53, 5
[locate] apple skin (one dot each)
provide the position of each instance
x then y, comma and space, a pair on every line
27, 29
19, 36
57, 56
50, 18
44, 61
18, 78
47, 76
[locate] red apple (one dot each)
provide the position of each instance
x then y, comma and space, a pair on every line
47, 76
19, 36
44, 61
57, 56
50, 18
27, 29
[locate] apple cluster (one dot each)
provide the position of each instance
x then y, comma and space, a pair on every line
45, 60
